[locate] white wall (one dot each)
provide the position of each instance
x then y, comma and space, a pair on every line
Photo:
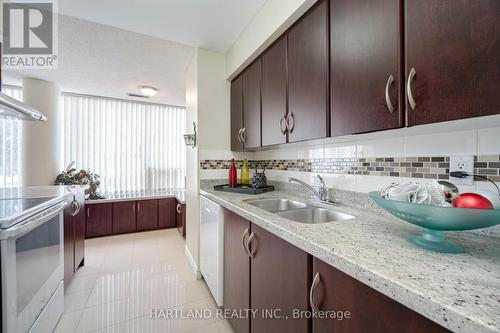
207, 97
41, 140
476, 136
192, 179
272, 20
214, 102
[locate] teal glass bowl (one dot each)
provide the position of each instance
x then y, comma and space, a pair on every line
436, 220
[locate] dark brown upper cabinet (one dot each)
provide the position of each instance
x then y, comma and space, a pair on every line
365, 68
236, 113
251, 106
452, 68
369, 310
308, 75
274, 94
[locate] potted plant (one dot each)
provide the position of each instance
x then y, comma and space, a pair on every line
69, 176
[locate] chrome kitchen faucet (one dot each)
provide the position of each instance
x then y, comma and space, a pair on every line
321, 194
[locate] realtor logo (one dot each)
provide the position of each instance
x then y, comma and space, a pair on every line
29, 34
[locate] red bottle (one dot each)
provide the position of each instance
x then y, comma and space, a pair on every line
233, 175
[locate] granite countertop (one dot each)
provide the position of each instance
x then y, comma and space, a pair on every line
146, 195
458, 291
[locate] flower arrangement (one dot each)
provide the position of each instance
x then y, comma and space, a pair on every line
69, 176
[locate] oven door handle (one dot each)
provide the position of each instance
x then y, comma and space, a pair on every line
32, 222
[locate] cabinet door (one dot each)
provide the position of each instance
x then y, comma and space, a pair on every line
147, 215
236, 270
280, 278
69, 241
454, 48
251, 106
80, 229
167, 213
365, 53
274, 80
236, 113
124, 217
308, 75
181, 218
370, 311
99, 219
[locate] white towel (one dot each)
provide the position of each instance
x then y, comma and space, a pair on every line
429, 193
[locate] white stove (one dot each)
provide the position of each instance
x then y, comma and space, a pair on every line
31, 254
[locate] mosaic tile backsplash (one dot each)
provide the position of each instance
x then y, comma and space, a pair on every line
426, 167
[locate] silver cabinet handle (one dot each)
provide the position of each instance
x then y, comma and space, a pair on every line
245, 245
138, 207
292, 126
249, 243
387, 96
239, 135
244, 135
74, 206
178, 208
412, 74
314, 284
283, 124
88, 212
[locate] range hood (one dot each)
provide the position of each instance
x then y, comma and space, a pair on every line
12, 108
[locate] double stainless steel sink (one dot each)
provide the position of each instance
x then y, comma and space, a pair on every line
299, 211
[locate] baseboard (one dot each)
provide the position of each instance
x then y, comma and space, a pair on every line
192, 263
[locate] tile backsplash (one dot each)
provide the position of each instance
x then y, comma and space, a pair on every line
435, 167
371, 161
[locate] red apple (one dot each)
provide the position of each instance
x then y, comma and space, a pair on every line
472, 200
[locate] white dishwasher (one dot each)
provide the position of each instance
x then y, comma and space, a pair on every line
212, 246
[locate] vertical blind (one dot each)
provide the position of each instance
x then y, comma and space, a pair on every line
133, 146
10, 145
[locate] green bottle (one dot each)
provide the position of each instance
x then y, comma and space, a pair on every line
245, 173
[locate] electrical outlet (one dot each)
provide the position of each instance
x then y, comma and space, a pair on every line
465, 164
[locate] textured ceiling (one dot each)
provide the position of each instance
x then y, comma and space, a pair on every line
102, 60
209, 24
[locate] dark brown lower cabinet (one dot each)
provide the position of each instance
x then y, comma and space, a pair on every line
124, 218
279, 283
268, 275
147, 215
236, 269
79, 230
99, 220
69, 241
166, 213
105, 219
74, 234
180, 218
370, 311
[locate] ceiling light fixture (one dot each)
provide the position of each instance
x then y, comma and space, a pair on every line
148, 91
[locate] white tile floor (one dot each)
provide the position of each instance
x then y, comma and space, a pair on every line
126, 276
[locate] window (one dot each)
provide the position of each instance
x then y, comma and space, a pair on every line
133, 146
10, 145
